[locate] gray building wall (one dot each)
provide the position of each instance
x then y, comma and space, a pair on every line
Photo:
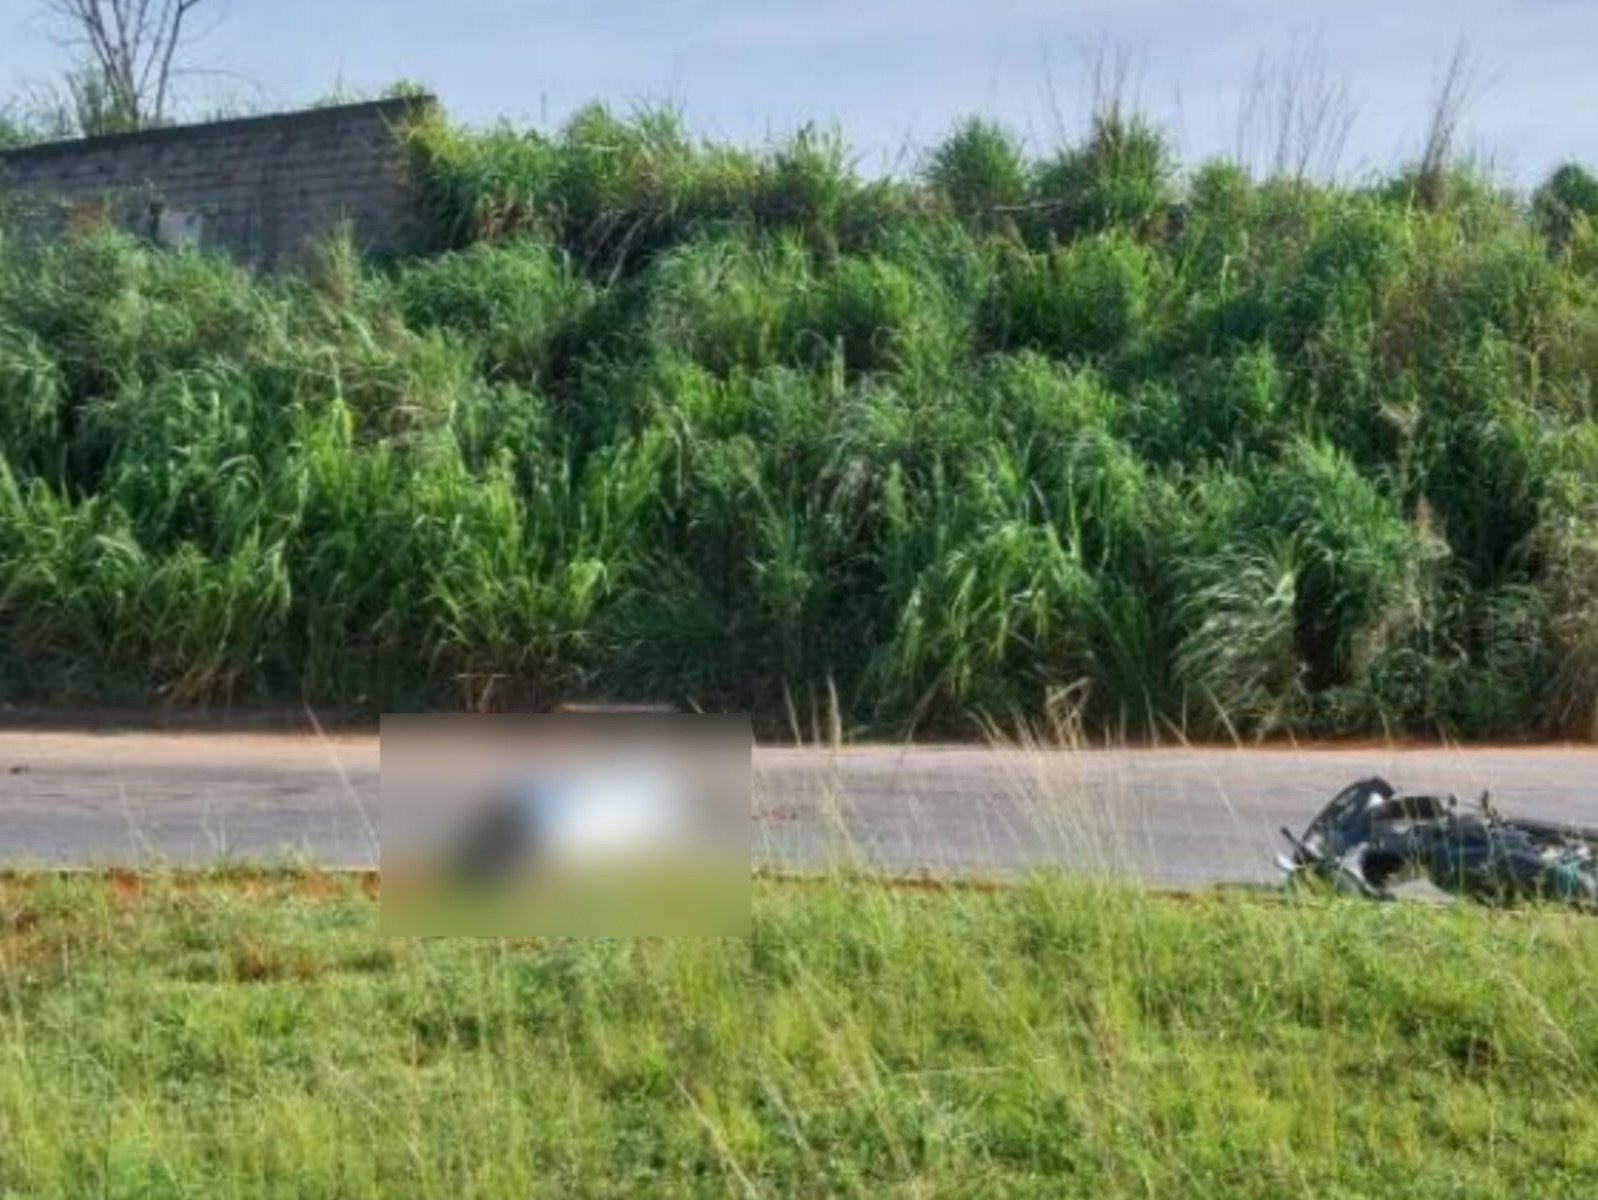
258, 188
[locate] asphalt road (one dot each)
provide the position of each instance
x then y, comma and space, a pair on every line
1177, 817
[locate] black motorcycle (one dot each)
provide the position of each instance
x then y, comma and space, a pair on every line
1371, 838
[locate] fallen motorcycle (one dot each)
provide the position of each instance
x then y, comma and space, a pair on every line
1370, 838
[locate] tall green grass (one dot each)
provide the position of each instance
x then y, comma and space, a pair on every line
1195, 450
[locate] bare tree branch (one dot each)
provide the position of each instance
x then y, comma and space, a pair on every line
179, 9
130, 52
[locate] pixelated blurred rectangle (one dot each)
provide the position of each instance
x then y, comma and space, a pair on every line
565, 824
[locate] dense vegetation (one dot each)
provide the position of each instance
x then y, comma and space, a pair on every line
1079, 434
257, 1037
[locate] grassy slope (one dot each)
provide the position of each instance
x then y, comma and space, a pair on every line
1016, 436
257, 1038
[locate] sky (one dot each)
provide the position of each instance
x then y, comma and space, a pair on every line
894, 75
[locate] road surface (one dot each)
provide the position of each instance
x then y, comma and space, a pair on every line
1175, 817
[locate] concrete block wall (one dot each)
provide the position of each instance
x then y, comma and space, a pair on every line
257, 188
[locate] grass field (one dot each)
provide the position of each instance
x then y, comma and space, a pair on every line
250, 1035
